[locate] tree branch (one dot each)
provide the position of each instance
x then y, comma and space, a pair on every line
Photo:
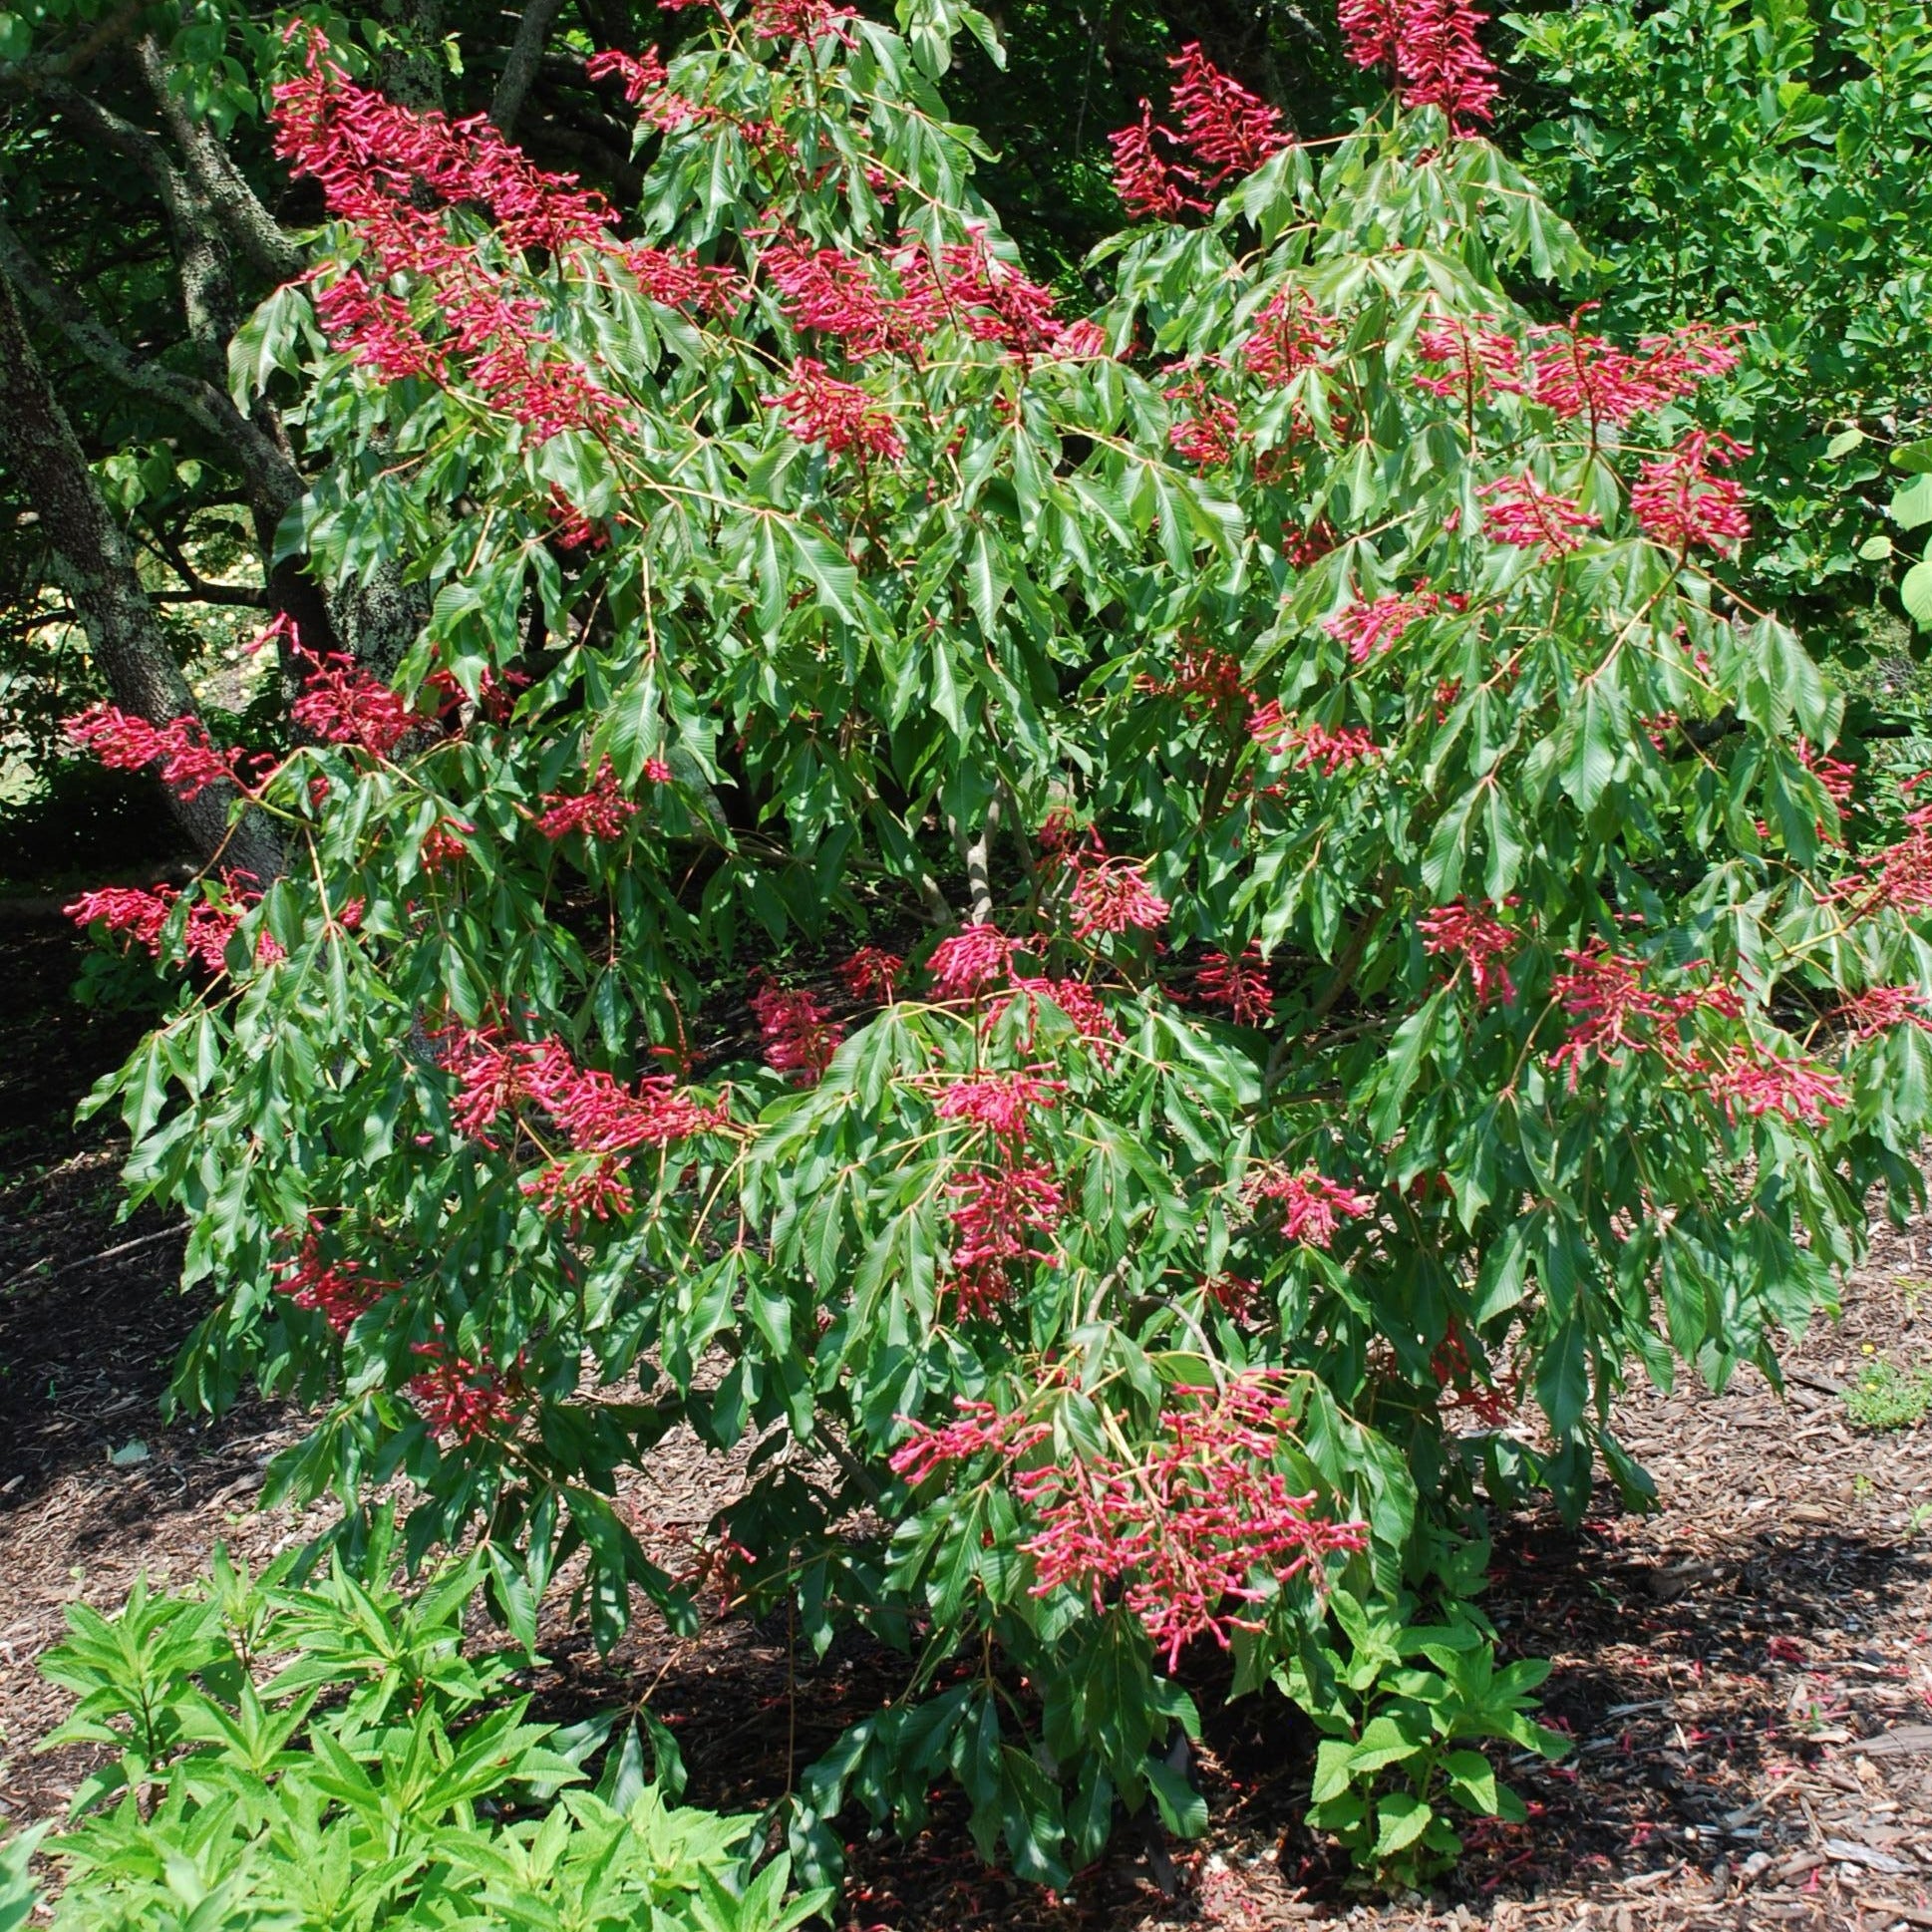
95, 568
233, 204
519, 70
272, 477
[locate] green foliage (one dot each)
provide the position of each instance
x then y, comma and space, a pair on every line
1400, 1704
1767, 161
1078, 624
330, 1757
1886, 1397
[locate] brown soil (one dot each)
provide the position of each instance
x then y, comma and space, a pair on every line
1745, 1674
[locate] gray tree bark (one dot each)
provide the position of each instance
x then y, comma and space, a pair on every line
94, 567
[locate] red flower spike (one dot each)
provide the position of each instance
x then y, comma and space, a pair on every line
1317, 745
1228, 129
967, 964
1371, 30
188, 762
998, 1214
1312, 1207
809, 21
1475, 359
872, 974
1678, 503
599, 1191
1180, 1530
601, 812
1881, 1008
1149, 186
1583, 375
1369, 628
1003, 1104
1207, 431
1478, 940
456, 1397
1290, 334
820, 409
339, 1291
1439, 62
1075, 999
800, 1036
1519, 511
340, 704
126, 909
1115, 897
1240, 985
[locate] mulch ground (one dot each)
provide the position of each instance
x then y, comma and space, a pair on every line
1746, 1674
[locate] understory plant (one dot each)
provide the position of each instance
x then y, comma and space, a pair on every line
319, 1756
1167, 939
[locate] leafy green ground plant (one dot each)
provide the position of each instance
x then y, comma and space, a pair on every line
1353, 933
1886, 1397
333, 1757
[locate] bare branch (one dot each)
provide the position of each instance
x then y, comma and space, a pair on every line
234, 204
519, 70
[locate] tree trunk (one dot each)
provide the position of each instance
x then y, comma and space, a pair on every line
94, 565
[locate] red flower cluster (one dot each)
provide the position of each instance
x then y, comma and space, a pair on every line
1115, 897
800, 1036
456, 1397
1518, 510
1227, 131
676, 278
1149, 186
1679, 503
1898, 877
1316, 743
568, 1190
1881, 1008
1604, 995
338, 1291
1073, 997
1182, 1531
998, 1214
1002, 1104
342, 704
1208, 681
1289, 335
1312, 1207
1579, 375
143, 915
601, 812
1240, 984
394, 175
188, 762
1478, 940
808, 19
497, 1074
1611, 1010
375, 327
872, 974
966, 964
1474, 358
1435, 49
818, 408
1369, 628
1207, 427
834, 294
